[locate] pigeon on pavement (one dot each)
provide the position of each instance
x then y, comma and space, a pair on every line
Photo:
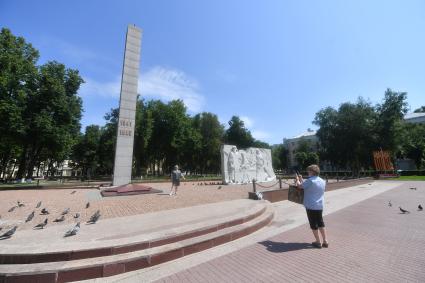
93, 219
60, 219
41, 225
390, 204
66, 211
30, 217
77, 215
420, 208
219, 188
12, 209
88, 205
9, 233
73, 231
20, 204
413, 188
73, 192
38, 204
403, 210
44, 211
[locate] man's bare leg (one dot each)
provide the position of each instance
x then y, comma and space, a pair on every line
323, 233
316, 235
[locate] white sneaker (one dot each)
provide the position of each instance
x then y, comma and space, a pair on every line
171, 193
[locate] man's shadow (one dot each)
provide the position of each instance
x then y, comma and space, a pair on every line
280, 247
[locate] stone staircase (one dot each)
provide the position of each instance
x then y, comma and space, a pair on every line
137, 242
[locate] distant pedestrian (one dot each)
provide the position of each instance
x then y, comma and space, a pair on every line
314, 190
176, 174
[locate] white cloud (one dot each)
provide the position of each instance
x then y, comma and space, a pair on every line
224, 121
103, 89
159, 82
261, 135
169, 84
247, 121
256, 133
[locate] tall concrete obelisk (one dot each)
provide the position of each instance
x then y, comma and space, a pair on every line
128, 98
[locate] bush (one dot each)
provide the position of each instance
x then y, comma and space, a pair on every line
411, 172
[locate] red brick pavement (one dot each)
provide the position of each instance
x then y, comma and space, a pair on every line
369, 242
58, 199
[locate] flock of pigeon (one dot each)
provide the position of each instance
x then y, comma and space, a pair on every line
207, 183
404, 211
73, 231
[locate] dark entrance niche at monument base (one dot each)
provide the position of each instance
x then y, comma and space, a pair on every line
292, 194
271, 195
129, 189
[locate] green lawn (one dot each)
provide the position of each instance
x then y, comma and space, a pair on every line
410, 178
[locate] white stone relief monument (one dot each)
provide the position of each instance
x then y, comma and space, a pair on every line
127, 111
243, 166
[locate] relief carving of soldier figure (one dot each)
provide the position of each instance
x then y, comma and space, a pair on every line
231, 163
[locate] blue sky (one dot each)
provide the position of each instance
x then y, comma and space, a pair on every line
274, 63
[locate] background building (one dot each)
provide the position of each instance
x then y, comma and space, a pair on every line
293, 143
415, 118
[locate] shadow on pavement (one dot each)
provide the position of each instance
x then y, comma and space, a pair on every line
280, 247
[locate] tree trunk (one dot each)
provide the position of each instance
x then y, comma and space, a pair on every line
38, 169
22, 163
10, 175
3, 165
32, 161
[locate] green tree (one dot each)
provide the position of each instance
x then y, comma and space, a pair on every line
211, 134
106, 150
39, 107
142, 137
171, 135
390, 119
413, 143
85, 152
18, 77
301, 158
237, 134
305, 154
280, 157
261, 144
347, 136
52, 116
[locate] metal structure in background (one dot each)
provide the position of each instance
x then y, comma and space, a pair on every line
382, 160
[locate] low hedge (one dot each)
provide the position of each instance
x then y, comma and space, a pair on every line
411, 172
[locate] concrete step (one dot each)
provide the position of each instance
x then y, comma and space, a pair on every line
126, 234
97, 267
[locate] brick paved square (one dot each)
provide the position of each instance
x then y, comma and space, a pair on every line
369, 242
